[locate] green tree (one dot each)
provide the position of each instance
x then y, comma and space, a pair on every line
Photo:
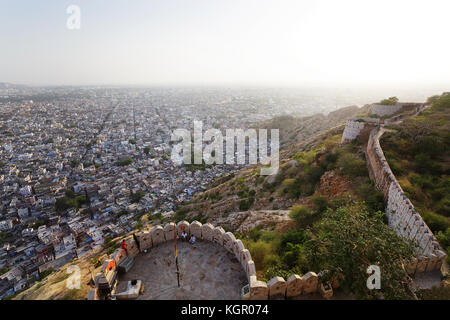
136, 197
391, 101
348, 240
352, 165
302, 215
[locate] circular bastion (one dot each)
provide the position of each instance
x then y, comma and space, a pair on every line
217, 266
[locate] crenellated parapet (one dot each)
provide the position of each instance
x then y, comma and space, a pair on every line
277, 287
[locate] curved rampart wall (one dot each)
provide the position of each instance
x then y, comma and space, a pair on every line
295, 285
402, 216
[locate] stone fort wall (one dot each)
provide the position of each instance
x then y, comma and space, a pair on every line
358, 128
277, 287
402, 216
382, 110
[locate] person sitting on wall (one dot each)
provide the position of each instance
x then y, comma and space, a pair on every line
123, 245
183, 236
192, 239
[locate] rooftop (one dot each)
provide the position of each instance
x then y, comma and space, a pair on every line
207, 271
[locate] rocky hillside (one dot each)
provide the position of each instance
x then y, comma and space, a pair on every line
298, 129
308, 173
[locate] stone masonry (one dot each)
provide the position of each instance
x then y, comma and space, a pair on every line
402, 216
277, 287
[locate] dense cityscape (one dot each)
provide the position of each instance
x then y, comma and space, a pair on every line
82, 165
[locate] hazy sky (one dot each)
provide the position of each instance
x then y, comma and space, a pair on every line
213, 42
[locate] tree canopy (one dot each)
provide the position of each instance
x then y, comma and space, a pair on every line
350, 239
391, 101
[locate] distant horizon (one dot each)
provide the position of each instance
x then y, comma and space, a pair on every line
333, 97
443, 87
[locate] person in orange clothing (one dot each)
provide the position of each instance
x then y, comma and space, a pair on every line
111, 265
124, 246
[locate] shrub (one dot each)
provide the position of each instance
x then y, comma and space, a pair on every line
307, 189
270, 260
136, 197
435, 221
350, 239
373, 198
292, 187
391, 101
69, 193
280, 271
255, 233
242, 194
443, 103
329, 161
293, 237
444, 238
424, 164
352, 165
180, 214
243, 205
293, 255
302, 215
313, 174
259, 250
45, 273
320, 203
279, 178
269, 236
125, 162
305, 158
443, 206
429, 145
269, 187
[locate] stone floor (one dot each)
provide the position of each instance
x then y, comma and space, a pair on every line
207, 271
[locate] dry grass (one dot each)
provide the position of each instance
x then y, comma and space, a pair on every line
54, 287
